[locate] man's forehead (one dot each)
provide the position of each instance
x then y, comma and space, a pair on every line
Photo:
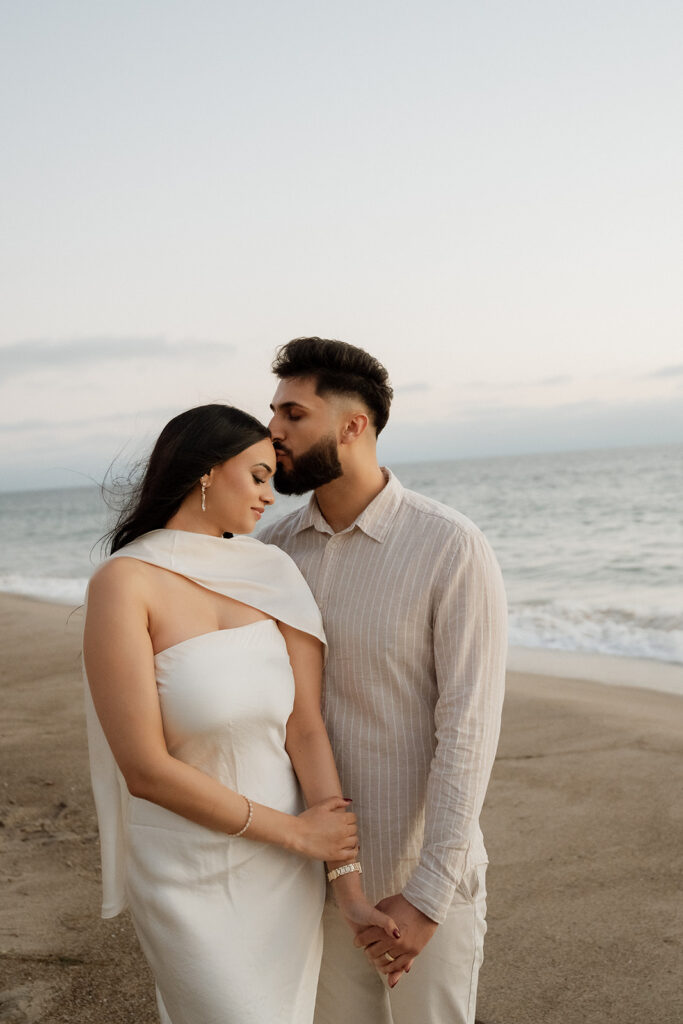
296, 391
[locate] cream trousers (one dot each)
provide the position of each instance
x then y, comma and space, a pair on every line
441, 987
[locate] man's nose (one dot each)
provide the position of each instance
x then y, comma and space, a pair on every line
275, 428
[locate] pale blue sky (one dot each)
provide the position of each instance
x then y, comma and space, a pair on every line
486, 196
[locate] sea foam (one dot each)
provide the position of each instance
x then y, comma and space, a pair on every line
46, 588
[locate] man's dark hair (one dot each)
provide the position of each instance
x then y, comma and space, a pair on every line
339, 368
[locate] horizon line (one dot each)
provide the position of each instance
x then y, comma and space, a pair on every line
393, 462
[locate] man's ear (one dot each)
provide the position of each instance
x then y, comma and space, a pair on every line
354, 427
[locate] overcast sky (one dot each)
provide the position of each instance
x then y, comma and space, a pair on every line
485, 196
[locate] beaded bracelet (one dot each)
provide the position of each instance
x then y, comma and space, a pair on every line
234, 835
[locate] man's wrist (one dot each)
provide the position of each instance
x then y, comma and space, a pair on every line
433, 909
420, 911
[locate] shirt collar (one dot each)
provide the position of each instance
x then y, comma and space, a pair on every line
375, 519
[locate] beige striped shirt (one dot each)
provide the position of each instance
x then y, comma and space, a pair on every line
415, 615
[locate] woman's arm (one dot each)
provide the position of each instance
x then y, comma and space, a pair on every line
307, 742
119, 663
308, 746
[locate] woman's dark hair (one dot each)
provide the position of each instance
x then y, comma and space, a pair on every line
190, 445
338, 368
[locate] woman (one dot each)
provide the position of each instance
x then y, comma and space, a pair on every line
204, 656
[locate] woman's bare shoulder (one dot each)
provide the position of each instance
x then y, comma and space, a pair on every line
119, 576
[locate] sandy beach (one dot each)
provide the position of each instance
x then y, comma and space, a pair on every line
583, 823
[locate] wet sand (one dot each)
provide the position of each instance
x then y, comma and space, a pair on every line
583, 821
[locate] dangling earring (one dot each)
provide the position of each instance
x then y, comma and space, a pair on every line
203, 496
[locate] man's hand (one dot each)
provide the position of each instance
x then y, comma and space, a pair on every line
416, 930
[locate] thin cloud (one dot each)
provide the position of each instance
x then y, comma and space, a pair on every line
668, 371
413, 387
515, 385
31, 426
587, 407
33, 355
539, 382
497, 412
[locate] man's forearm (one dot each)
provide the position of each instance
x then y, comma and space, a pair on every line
470, 647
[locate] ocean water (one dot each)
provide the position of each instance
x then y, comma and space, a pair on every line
590, 543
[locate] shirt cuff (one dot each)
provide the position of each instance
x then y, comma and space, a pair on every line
430, 892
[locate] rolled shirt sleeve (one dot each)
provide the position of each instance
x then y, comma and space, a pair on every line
470, 646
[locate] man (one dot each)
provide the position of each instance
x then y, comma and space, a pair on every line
414, 611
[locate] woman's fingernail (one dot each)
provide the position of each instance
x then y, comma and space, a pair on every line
347, 799
407, 970
397, 934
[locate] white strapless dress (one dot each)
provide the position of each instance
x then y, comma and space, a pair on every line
231, 927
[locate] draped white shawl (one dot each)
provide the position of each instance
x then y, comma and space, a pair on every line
241, 567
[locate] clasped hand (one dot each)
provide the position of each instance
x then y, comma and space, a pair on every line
416, 929
327, 831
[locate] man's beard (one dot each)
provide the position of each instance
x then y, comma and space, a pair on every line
315, 467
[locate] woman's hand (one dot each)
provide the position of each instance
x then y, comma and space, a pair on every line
326, 831
358, 913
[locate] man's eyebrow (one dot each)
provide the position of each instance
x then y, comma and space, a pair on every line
288, 405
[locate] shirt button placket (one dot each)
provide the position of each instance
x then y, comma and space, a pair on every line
333, 550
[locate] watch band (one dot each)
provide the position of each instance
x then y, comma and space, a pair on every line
345, 869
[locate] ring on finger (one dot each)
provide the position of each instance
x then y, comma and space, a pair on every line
389, 958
